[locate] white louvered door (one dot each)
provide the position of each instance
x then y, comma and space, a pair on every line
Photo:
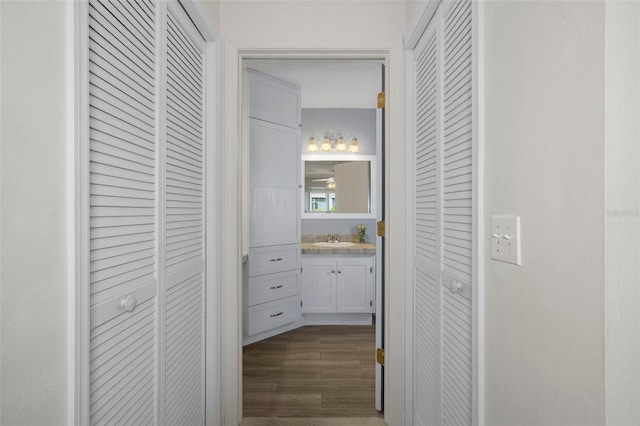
184, 358
146, 174
443, 220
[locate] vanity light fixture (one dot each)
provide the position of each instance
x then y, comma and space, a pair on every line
313, 145
332, 142
326, 143
353, 146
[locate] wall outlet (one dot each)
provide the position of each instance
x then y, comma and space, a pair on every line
505, 239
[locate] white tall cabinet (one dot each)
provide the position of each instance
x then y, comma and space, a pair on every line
272, 289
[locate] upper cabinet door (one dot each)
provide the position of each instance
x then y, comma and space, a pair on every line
273, 100
274, 178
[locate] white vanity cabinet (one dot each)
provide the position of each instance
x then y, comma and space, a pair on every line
272, 279
337, 285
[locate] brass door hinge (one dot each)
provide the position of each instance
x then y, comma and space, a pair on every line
381, 103
380, 356
381, 228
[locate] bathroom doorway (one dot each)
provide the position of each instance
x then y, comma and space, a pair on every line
337, 84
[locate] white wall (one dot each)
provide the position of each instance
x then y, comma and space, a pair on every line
330, 26
33, 266
545, 149
622, 153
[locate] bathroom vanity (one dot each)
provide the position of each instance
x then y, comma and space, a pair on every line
338, 284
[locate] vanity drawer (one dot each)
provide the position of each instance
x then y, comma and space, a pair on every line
266, 288
267, 260
266, 316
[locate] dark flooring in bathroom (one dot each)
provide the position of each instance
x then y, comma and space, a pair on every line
313, 371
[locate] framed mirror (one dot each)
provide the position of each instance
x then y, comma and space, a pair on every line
338, 186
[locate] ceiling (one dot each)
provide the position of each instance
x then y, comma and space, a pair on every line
328, 83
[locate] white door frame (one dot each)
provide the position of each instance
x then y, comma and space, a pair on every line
231, 233
415, 30
77, 83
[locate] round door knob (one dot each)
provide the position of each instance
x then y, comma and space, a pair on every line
128, 303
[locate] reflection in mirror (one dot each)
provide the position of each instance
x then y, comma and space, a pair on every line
337, 186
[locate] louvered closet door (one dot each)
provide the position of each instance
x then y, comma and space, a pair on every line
123, 284
427, 236
147, 225
457, 205
443, 308
184, 292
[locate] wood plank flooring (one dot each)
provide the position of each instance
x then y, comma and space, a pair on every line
313, 371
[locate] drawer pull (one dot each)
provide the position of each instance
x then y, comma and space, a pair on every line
277, 259
275, 287
276, 315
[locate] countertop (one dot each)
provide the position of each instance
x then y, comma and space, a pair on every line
309, 248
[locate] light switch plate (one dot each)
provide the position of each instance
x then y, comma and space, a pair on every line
505, 239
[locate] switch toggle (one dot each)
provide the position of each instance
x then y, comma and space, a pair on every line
505, 239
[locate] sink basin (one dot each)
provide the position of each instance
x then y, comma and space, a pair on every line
334, 245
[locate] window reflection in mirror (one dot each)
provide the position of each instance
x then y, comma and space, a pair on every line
338, 186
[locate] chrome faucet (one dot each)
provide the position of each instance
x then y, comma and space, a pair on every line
333, 238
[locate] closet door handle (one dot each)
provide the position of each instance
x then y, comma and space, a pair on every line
275, 287
276, 315
128, 303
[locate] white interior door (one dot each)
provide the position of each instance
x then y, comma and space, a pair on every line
146, 225
443, 308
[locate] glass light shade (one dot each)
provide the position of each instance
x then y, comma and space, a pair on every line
313, 145
326, 144
340, 145
353, 146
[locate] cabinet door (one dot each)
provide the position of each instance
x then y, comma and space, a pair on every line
274, 177
274, 100
354, 285
318, 283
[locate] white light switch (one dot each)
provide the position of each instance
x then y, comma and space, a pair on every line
505, 239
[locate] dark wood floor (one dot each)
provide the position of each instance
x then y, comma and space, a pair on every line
313, 371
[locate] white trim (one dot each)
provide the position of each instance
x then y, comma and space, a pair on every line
410, 235
213, 249
77, 213
201, 20
419, 23
231, 257
478, 230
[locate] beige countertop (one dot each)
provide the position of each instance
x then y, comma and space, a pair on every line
309, 248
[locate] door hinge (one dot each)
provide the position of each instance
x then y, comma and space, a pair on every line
380, 356
381, 103
381, 228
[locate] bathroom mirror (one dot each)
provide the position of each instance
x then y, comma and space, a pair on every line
338, 186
